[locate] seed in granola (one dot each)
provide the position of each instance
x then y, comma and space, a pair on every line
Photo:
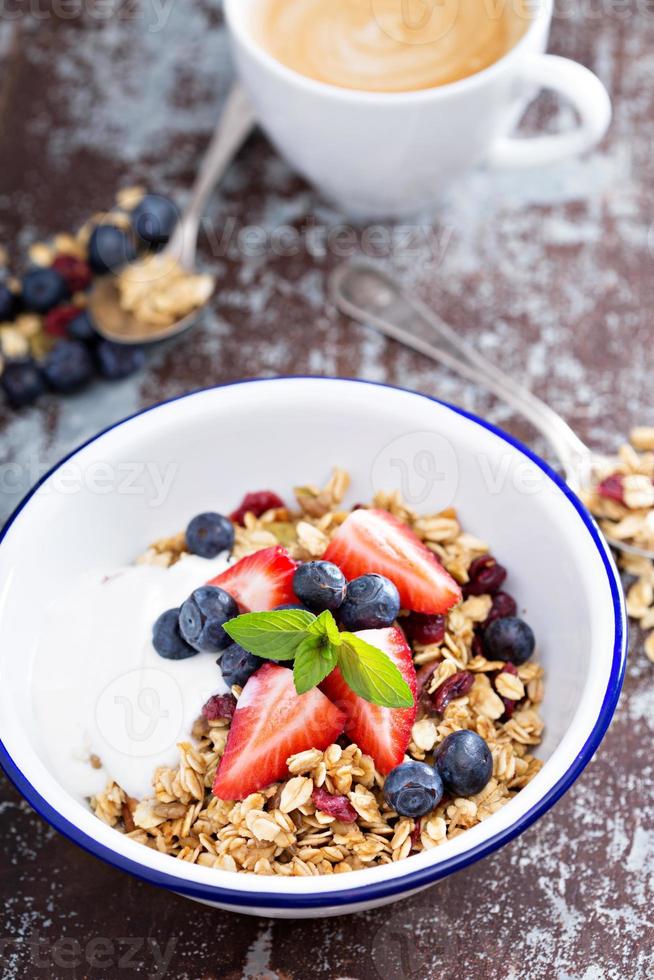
485, 576
424, 629
452, 688
257, 503
413, 789
464, 763
510, 639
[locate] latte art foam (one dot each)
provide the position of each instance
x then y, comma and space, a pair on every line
389, 45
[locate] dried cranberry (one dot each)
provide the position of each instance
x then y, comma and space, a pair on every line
509, 707
74, 271
220, 706
503, 605
509, 704
424, 629
336, 806
415, 834
477, 646
612, 487
56, 321
485, 576
256, 503
454, 687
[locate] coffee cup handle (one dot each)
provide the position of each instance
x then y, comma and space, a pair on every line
580, 87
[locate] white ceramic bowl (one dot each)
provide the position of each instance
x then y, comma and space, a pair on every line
279, 433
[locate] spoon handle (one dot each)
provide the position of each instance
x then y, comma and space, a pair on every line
368, 295
236, 123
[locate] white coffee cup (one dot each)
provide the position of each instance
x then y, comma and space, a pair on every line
378, 154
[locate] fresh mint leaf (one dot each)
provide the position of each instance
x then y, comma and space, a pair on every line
325, 625
372, 674
275, 635
314, 659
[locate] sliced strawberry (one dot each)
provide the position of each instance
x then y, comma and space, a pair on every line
382, 733
272, 722
375, 541
260, 581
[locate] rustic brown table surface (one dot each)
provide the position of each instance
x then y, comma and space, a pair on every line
551, 273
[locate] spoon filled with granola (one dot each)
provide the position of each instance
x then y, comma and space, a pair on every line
619, 491
161, 295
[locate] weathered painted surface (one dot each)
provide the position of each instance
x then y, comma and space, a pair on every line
550, 273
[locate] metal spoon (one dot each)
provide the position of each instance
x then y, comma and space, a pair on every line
368, 295
113, 322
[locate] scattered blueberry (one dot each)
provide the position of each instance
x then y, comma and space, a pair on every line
167, 639
202, 617
371, 602
68, 366
154, 219
509, 639
237, 665
320, 585
22, 383
110, 248
43, 289
464, 762
82, 328
7, 303
208, 534
413, 789
118, 361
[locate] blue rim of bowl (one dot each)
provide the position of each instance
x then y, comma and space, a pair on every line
413, 880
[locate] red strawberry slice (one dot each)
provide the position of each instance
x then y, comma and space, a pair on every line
382, 733
375, 541
260, 581
272, 722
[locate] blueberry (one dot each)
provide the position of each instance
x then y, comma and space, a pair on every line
22, 383
413, 789
208, 534
110, 248
203, 615
371, 602
464, 763
68, 366
291, 605
118, 361
43, 289
237, 665
154, 219
509, 639
320, 585
8, 303
82, 328
167, 639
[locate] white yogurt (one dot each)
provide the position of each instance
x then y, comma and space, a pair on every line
101, 689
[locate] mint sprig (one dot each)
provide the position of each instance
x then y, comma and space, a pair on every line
316, 646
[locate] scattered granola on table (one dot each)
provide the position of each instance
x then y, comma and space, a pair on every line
622, 500
386, 779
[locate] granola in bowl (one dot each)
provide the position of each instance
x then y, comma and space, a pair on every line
411, 712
